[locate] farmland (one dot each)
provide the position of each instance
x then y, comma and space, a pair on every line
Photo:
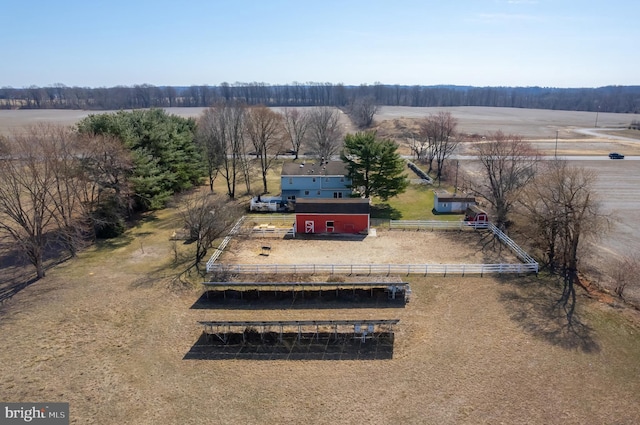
108, 332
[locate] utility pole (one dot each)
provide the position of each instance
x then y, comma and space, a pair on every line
556, 154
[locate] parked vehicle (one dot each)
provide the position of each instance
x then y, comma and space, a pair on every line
616, 155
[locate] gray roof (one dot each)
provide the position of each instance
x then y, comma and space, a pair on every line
333, 206
330, 168
445, 196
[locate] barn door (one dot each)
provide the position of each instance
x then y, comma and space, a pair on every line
309, 226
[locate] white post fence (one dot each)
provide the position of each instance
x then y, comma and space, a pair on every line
529, 265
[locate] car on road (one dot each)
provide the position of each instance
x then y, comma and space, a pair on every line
616, 155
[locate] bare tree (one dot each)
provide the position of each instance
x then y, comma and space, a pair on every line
507, 163
26, 184
72, 215
625, 273
562, 202
296, 124
418, 146
207, 217
362, 111
325, 134
211, 147
265, 130
439, 139
225, 130
107, 166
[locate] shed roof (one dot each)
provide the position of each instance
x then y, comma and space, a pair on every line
335, 206
446, 196
329, 168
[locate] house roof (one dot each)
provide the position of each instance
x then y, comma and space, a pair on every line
333, 206
329, 168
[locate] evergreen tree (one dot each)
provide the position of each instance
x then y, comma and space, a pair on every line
165, 155
375, 167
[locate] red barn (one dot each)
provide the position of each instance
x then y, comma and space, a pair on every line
332, 215
476, 215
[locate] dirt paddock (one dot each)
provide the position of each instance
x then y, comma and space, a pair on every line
386, 247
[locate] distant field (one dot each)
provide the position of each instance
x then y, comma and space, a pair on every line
529, 123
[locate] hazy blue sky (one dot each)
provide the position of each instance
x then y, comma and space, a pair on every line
95, 43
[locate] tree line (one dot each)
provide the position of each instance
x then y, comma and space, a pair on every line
620, 99
62, 187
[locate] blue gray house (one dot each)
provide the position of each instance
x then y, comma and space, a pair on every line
314, 180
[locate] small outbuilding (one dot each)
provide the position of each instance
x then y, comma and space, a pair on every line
476, 215
322, 216
455, 203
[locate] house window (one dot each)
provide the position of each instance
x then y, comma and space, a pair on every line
337, 195
318, 193
329, 226
313, 179
326, 179
306, 192
444, 205
342, 179
290, 180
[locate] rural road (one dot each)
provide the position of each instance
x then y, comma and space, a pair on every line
547, 157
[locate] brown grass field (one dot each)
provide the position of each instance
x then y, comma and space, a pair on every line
108, 332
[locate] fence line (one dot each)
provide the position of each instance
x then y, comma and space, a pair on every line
521, 253
529, 265
270, 218
460, 225
279, 232
234, 231
423, 176
376, 269
436, 224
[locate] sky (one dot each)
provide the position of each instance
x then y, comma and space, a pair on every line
105, 43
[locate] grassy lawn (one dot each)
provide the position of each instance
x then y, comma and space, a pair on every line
414, 204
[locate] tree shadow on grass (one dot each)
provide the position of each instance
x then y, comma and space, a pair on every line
17, 273
385, 211
532, 303
114, 243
